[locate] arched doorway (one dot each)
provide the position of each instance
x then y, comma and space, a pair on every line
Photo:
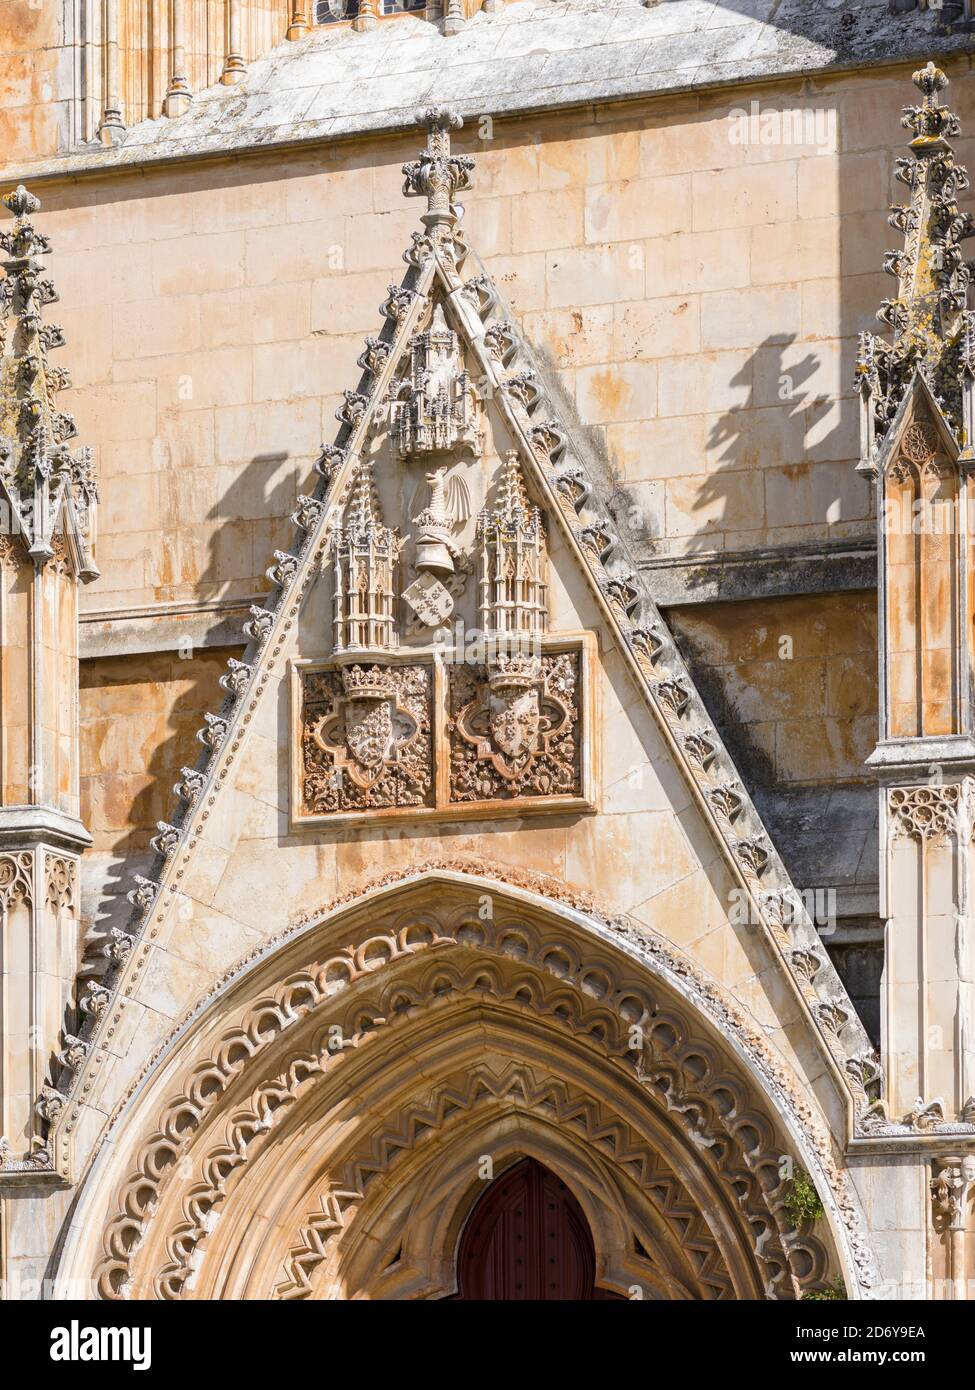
527, 1239
256, 1160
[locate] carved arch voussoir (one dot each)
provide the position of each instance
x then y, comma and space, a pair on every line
705, 1096
637, 1206
443, 984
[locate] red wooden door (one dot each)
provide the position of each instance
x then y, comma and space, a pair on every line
527, 1238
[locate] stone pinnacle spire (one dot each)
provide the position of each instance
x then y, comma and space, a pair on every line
363, 508
932, 329
365, 556
438, 175
39, 473
514, 498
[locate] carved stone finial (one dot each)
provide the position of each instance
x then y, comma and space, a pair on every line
929, 80
512, 559
931, 326
438, 175
21, 202
38, 470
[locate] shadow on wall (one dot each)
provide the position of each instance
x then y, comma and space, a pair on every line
139, 722
794, 421
253, 515
781, 459
769, 436
138, 726
130, 709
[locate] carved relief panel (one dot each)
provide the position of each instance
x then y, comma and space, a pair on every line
366, 738
444, 694
433, 736
514, 728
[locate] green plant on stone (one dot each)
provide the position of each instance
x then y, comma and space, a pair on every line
802, 1201
836, 1289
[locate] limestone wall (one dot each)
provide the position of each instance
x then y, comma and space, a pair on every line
794, 680
34, 95
139, 718
698, 298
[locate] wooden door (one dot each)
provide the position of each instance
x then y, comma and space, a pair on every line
527, 1239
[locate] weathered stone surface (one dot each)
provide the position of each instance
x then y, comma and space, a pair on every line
587, 844
530, 55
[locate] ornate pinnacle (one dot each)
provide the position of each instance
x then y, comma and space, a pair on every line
36, 466
361, 514
928, 314
24, 243
20, 202
363, 517
514, 511
514, 498
929, 121
438, 175
933, 275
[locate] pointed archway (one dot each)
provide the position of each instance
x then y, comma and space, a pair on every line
312, 1131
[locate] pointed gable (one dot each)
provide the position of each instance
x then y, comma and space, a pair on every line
395, 723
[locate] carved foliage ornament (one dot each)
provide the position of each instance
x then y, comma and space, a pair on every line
949, 1187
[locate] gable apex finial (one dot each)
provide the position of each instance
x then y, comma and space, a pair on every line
438, 175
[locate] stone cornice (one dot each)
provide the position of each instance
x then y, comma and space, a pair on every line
35, 825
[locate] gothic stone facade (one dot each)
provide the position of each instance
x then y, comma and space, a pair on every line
439, 650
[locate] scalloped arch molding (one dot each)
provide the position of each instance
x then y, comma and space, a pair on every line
354, 1069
